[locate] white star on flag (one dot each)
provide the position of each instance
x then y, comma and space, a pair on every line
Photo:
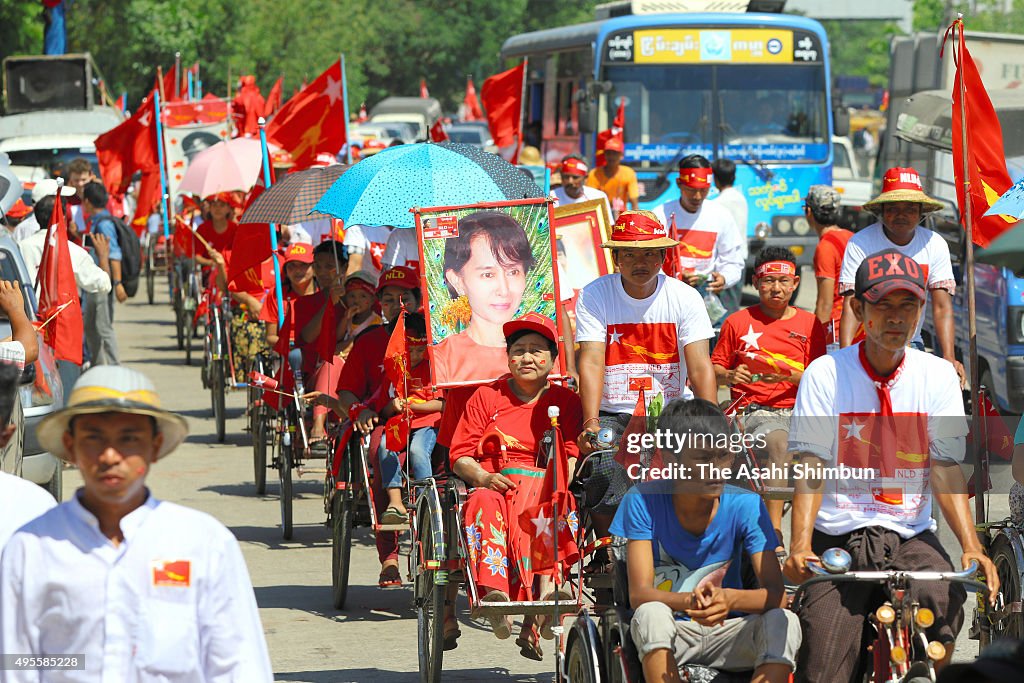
258, 381
853, 430
377, 250
751, 337
542, 524
144, 119
751, 355
333, 89
615, 336
52, 239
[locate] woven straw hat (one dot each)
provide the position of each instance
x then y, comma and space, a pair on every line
639, 230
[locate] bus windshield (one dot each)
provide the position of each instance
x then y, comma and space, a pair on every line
765, 113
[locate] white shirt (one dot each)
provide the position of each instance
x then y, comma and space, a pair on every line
926, 247
708, 239
297, 234
25, 228
401, 249
589, 194
832, 419
370, 241
318, 229
173, 603
88, 276
23, 502
736, 204
644, 338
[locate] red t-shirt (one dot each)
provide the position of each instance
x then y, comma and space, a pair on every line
420, 390
269, 311
455, 399
828, 263
363, 371
497, 413
769, 346
221, 241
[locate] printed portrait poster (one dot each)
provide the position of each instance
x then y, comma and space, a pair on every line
483, 266
190, 128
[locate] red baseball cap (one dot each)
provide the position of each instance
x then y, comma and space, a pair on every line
888, 271
300, 252
19, 209
614, 144
534, 322
399, 276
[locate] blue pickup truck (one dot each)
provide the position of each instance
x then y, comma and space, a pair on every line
999, 303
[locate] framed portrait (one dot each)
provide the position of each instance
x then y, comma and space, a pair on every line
580, 229
482, 266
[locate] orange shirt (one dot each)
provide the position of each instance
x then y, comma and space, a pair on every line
460, 359
828, 263
622, 186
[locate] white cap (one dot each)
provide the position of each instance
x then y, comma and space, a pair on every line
48, 187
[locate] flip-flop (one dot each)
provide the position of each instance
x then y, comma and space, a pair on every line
500, 623
544, 620
318, 447
393, 515
529, 644
390, 577
451, 636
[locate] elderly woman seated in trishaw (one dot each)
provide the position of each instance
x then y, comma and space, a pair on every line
495, 451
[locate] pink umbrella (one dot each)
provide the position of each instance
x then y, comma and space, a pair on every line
225, 167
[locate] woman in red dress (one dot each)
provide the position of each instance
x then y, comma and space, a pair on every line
494, 451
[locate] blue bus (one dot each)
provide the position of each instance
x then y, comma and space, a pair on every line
754, 88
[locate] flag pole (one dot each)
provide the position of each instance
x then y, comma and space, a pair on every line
522, 107
344, 104
164, 192
980, 462
272, 227
177, 75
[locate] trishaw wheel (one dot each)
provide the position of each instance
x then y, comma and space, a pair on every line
431, 589
217, 389
342, 518
579, 662
284, 473
611, 642
188, 336
1004, 558
179, 320
259, 452
151, 269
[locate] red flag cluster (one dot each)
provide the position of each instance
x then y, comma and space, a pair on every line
129, 148
60, 309
553, 515
313, 121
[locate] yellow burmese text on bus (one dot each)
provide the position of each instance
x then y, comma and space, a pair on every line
681, 46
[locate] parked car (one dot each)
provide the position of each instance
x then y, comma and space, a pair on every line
472, 134
41, 392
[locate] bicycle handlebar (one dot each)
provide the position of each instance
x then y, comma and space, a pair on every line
971, 570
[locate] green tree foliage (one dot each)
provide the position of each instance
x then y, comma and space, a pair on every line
861, 48
21, 27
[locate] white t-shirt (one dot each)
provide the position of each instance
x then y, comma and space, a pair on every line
23, 502
370, 241
926, 247
589, 195
834, 419
708, 239
318, 229
644, 338
736, 204
402, 249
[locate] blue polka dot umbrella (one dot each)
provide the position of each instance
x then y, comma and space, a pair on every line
381, 189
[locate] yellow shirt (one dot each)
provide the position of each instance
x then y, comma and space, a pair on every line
621, 186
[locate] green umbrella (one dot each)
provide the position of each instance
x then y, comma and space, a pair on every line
1007, 250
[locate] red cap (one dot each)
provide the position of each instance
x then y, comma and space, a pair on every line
614, 144
696, 177
226, 197
534, 322
399, 276
19, 209
574, 167
353, 283
901, 178
300, 252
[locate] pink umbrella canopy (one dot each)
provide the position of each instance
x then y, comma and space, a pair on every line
225, 167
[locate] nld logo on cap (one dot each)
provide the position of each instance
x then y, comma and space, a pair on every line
899, 178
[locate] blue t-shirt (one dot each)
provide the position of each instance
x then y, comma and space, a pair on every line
103, 223
683, 561
1018, 438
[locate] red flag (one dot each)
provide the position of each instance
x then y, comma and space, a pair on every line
312, 121
262, 381
168, 93
616, 131
502, 96
273, 102
637, 425
284, 335
59, 306
121, 103
184, 239
396, 433
396, 357
998, 439
986, 165
147, 200
672, 266
424, 93
127, 148
438, 133
539, 520
472, 104
251, 246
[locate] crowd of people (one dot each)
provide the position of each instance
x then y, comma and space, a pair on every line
845, 384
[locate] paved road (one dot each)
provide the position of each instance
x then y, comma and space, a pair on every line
374, 639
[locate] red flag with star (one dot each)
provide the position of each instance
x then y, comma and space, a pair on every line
60, 309
396, 358
438, 133
313, 121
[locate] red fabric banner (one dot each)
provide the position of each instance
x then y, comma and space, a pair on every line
313, 121
59, 306
502, 97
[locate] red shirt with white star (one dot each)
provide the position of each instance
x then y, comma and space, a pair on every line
768, 346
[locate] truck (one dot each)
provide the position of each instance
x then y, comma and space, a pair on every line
420, 112
920, 134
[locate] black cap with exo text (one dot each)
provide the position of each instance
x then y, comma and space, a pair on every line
888, 271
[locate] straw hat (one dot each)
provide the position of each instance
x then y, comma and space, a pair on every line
901, 184
111, 389
639, 230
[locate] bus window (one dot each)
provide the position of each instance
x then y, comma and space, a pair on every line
772, 104
664, 106
571, 68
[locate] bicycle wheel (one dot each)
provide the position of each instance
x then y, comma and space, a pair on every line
151, 268
284, 474
217, 389
343, 509
188, 336
259, 453
431, 586
1004, 558
179, 316
581, 660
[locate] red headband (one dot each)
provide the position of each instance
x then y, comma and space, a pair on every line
698, 178
574, 167
358, 283
775, 268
